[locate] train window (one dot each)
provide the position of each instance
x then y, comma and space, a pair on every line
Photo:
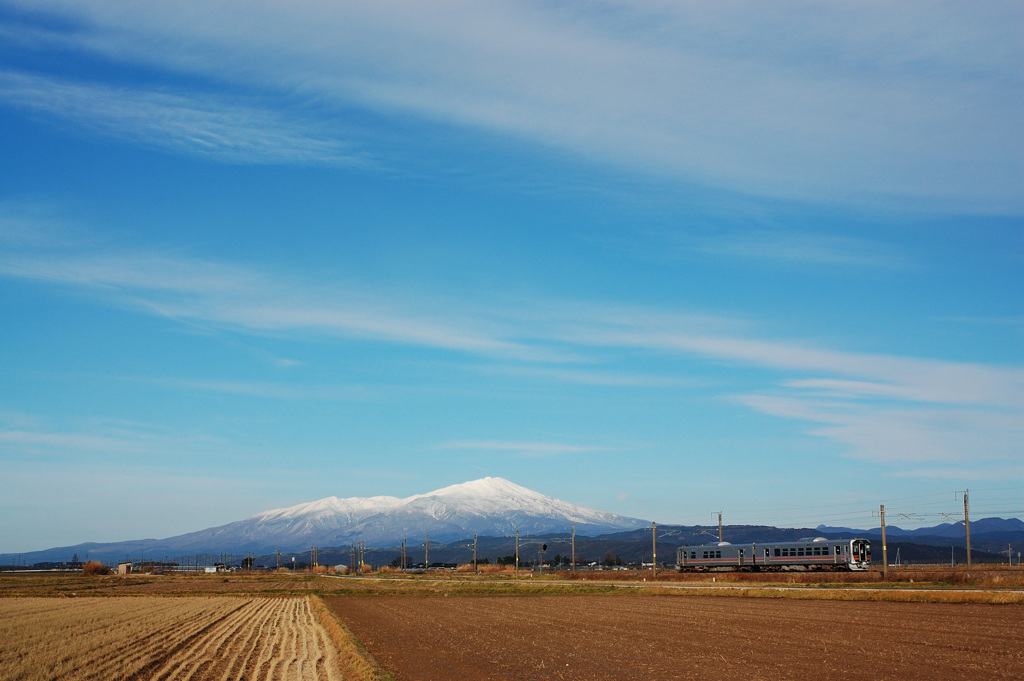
777, 551
837, 550
693, 555
718, 554
705, 554
800, 551
817, 550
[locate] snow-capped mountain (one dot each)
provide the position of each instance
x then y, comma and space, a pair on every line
489, 506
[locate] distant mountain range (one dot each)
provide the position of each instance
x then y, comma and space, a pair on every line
949, 530
989, 535
489, 506
493, 509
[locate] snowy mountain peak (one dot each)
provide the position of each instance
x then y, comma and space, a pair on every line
490, 492
488, 506
332, 506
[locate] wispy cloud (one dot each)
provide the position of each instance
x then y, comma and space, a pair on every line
527, 449
876, 406
903, 432
765, 100
116, 440
616, 379
793, 247
236, 297
187, 123
270, 390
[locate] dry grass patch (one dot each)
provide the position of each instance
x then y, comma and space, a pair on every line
94, 567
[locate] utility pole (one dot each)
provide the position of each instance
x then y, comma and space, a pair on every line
474, 553
403, 553
719, 524
426, 555
517, 552
654, 549
967, 528
885, 549
574, 547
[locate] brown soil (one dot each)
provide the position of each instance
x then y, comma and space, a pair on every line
620, 637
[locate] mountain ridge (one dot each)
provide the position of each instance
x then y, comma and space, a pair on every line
491, 506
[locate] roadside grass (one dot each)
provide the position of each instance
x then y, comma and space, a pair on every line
357, 664
984, 584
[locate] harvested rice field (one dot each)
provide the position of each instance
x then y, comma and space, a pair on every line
154, 637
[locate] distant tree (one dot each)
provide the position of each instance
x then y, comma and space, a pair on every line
610, 559
507, 560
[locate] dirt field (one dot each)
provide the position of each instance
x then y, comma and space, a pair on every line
152, 637
668, 637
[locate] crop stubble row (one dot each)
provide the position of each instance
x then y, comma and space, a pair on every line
143, 638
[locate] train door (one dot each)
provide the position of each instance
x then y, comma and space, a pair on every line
739, 558
860, 554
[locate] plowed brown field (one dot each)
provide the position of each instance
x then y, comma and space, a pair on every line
225, 639
597, 637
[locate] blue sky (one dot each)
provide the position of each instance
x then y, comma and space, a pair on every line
662, 259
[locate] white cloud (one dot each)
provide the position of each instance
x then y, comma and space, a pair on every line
235, 297
106, 439
903, 432
528, 449
200, 125
794, 247
879, 100
880, 407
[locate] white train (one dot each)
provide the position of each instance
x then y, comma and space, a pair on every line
816, 553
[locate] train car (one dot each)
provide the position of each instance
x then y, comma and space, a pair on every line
813, 553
